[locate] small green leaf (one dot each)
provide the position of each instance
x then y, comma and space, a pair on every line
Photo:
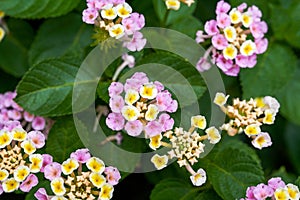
273, 71
37, 8
102, 91
14, 47
71, 39
231, 167
63, 139
298, 182
46, 89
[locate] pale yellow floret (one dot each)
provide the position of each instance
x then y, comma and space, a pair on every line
213, 134
131, 97
159, 162
281, 194
248, 48
269, 117
198, 121
230, 52
123, 10
28, 146
95, 165
148, 91
19, 134
21, 173
246, 20
220, 99
260, 102
97, 179
57, 186
109, 12
155, 142
130, 113
106, 192
293, 191
173, 4
198, 178
5, 138
2, 14
117, 31
10, 185
69, 166
151, 113
2, 34
252, 129
3, 174
36, 162
235, 16
230, 33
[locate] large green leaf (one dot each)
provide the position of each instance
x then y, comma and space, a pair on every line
187, 25
37, 8
273, 71
46, 89
231, 168
180, 190
14, 47
289, 98
60, 36
293, 31
63, 139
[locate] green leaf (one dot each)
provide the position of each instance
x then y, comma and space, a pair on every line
232, 167
42, 184
63, 139
180, 190
53, 41
292, 140
102, 91
282, 173
46, 89
168, 17
298, 182
14, 47
292, 32
289, 98
37, 8
279, 20
188, 25
273, 71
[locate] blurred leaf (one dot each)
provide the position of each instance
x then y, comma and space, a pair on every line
232, 167
293, 31
263, 5
273, 71
289, 98
177, 189
172, 15
286, 177
292, 140
14, 47
60, 36
146, 8
37, 8
63, 139
188, 25
298, 182
279, 20
46, 89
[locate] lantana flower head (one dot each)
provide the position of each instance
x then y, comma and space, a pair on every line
81, 176
248, 117
18, 158
186, 147
118, 20
237, 37
275, 189
175, 4
11, 111
140, 106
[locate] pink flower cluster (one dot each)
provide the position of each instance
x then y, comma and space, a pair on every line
140, 105
116, 17
18, 160
275, 189
72, 180
237, 36
10, 110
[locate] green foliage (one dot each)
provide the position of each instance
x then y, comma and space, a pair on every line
37, 8
232, 167
63, 139
46, 89
14, 47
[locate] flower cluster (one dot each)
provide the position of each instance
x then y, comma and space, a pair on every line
175, 4
2, 32
186, 147
237, 36
275, 189
116, 18
248, 116
10, 110
140, 105
18, 160
79, 177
